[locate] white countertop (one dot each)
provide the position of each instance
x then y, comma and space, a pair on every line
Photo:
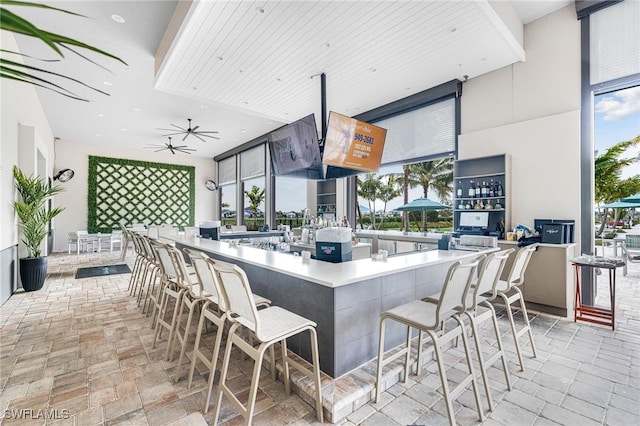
324, 273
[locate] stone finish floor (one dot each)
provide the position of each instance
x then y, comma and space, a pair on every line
81, 350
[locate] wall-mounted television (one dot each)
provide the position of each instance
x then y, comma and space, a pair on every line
294, 149
353, 144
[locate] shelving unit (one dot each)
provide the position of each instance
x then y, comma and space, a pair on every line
480, 170
326, 199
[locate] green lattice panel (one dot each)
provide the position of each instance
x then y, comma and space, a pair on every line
132, 191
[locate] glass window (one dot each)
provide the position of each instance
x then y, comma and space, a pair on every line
228, 209
254, 202
252, 162
615, 42
291, 199
424, 132
227, 171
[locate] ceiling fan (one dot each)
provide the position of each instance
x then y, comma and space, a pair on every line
190, 131
171, 147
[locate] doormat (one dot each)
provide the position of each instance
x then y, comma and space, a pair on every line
99, 271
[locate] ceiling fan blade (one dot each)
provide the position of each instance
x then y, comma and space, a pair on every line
172, 134
181, 128
194, 129
172, 151
198, 136
208, 131
161, 149
185, 136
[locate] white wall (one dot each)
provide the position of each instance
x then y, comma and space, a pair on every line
74, 199
20, 106
531, 111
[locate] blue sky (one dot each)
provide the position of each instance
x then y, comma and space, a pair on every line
617, 119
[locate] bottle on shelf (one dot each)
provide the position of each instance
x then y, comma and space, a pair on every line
472, 189
478, 190
484, 190
500, 192
487, 205
492, 188
461, 205
497, 206
459, 190
479, 205
468, 206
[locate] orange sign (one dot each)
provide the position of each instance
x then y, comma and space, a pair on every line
353, 144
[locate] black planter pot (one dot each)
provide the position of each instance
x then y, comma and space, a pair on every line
33, 271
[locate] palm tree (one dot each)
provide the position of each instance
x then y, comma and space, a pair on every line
388, 191
256, 197
408, 181
607, 170
369, 189
436, 175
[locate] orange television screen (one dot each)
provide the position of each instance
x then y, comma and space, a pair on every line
353, 144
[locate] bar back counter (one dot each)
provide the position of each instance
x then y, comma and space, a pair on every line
344, 299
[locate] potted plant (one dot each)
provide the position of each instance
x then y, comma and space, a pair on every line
34, 217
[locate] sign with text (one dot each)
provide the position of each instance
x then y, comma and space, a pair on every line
353, 144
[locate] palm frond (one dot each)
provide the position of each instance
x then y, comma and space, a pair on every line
9, 21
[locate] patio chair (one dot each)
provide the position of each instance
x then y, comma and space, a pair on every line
630, 250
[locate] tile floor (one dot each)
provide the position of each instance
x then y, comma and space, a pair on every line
80, 351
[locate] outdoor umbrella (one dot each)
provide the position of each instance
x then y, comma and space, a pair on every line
631, 199
422, 205
622, 204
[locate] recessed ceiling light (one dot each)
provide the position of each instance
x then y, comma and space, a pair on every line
98, 134
194, 88
259, 9
240, 70
246, 102
123, 129
119, 19
243, 130
372, 69
220, 58
453, 29
483, 59
204, 106
278, 79
101, 115
107, 83
327, 45
136, 109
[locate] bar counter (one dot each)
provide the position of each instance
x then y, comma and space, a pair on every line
344, 299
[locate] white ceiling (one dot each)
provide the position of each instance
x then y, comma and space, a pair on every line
244, 68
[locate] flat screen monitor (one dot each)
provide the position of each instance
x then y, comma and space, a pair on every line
353, 144
294, 149
474, 220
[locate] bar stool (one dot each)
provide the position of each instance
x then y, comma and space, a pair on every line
515, 280
138, 265
171, 291
214, 309
428, 317
483, 290
152, 265
190, 299
194, 296
270, 325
